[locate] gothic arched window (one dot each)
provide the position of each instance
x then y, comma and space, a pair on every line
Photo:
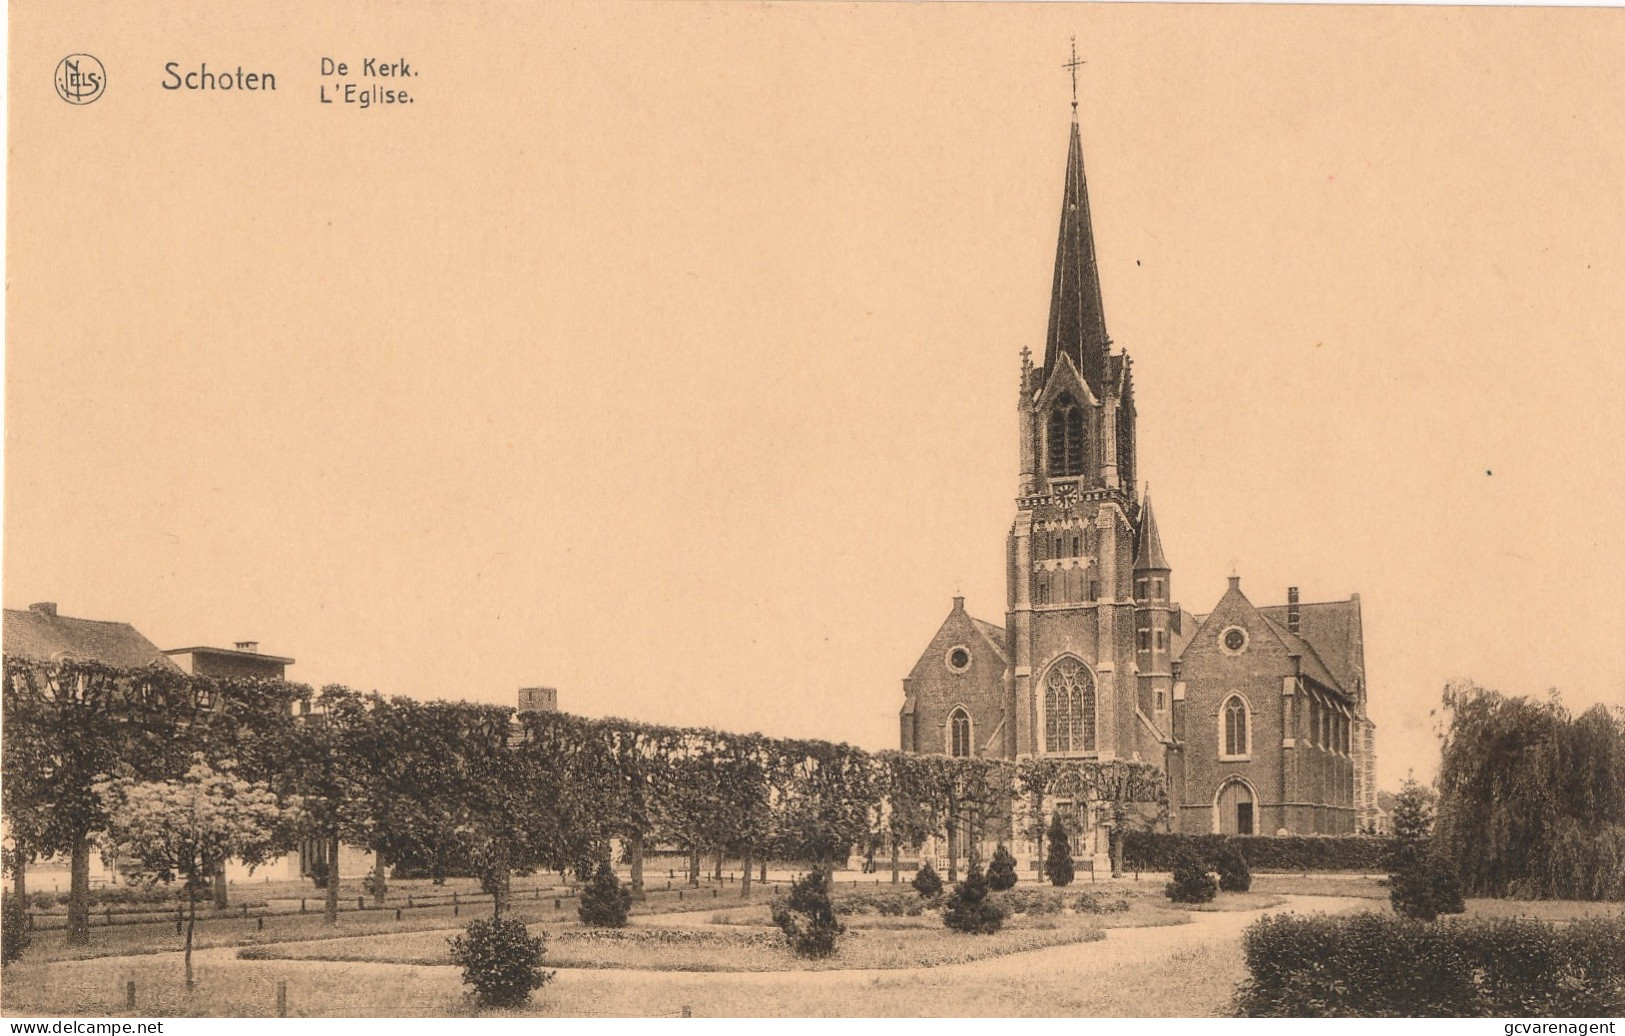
1067, 439
959, 744
1234, 716
1069, 708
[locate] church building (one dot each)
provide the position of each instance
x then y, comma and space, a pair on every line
1257, 715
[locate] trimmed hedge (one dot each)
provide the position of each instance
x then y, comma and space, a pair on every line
1160, 851
1375, 966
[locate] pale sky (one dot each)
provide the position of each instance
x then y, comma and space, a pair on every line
667, 354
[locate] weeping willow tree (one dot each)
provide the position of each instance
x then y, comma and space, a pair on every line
1532, 800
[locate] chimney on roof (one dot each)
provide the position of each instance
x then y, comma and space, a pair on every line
252, 647
44, 608
1292, 609
959, 604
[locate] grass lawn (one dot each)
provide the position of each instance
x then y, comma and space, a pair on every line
1049, 960
216, 930
1363, 886
882, 943
1236, 901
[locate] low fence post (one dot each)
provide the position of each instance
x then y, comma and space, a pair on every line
261, 925
397, 913
129, 994
282, 999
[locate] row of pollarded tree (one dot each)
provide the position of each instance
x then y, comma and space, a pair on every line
454, 787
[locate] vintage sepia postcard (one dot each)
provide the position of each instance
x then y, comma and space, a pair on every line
813, 509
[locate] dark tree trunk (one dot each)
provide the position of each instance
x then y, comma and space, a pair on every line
634, 853
953, 853
79, 893
744, 875
19, 880
333, 879
380, 885
717, 875
191, 923
504, 888
217, 879
896, 863
694, 866
764, 867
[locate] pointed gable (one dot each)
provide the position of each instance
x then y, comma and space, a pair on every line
1077, 319
1063, 376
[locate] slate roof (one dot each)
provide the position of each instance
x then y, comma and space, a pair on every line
1334, 628
1149, 554
1309, 658
40, 635
994, 635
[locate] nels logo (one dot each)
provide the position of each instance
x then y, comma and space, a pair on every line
80, 79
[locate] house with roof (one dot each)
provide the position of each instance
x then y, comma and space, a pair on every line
40, 633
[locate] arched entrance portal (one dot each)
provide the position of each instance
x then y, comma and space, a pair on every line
1234, 808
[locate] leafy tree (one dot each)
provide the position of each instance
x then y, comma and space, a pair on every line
927, 882
604, 903
1058, 864
69, 724
909, 808
177, 829
1421, 885
969, 909
1001, 873
501, 960
808, 918
1532, 801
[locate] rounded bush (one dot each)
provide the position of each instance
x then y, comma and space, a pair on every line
1192, 883
927, 882
501, 960
604, 903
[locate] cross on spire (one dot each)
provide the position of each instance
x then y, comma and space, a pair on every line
1073, 65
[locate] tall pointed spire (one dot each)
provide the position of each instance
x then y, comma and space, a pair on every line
1077, 319
1149, 556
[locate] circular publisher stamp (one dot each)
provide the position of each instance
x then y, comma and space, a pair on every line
80, 79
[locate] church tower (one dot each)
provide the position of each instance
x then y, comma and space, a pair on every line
1079, 545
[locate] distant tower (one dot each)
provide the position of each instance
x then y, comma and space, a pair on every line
538, 699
